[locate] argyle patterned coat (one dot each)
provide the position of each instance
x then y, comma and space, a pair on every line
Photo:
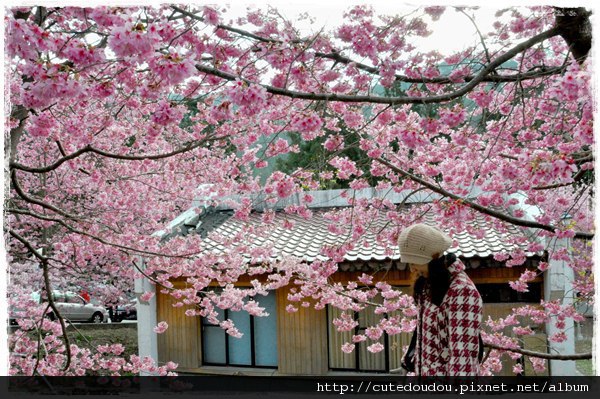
448, 335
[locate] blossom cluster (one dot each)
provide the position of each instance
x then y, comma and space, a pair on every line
173, 68
133, 40
251, 99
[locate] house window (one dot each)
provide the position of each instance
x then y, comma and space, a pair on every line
361, 359
256, 348
503, 293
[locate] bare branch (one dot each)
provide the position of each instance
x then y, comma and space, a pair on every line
481, 38
232, 29
533, 74
541, 355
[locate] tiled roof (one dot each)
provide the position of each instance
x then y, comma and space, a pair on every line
308, 236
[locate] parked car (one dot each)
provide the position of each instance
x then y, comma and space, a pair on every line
127, 311
71, 306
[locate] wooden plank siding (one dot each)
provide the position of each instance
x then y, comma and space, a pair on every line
392, 277
302, 339
536, 342
494, 275
181, 343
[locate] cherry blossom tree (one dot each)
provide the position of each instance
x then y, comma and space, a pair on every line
120, 117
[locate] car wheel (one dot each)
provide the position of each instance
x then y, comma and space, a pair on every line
97, 317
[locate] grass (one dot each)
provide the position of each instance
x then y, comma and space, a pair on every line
90, 336
105, 335
585, 367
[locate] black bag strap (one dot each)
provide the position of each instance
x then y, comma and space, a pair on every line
408, 361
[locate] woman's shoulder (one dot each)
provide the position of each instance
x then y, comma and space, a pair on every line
462, 284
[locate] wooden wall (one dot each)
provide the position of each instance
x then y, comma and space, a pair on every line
536, 342
302, 339
181, 343
392, 277
303, 335
492, 275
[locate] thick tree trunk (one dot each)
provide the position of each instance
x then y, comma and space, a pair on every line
575, 27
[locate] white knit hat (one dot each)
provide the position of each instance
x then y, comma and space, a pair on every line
419, 242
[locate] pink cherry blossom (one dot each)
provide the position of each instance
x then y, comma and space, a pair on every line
250, 98
211, 15
133, 39
358, 338
161, 327
517, 368
173, 68
308, 124
166, 114
374, 333
146, 296
435, 11
375, 348
42, 125
348, 347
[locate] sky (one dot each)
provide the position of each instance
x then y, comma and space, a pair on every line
452, 32
330, 14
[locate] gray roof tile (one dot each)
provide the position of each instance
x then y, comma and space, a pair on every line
308, 237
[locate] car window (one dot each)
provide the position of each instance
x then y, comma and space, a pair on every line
58, 297
75, 299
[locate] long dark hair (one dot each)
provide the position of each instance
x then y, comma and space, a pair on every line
438, 280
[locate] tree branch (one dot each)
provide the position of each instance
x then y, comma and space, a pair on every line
578, 176
481, 38
390, 100
28, 245
541, 355
21, 193
44, 263
19, 113
477, 207
101, 240
533, 74
338, 58
89, 148
232, 29
63, 327
576, 29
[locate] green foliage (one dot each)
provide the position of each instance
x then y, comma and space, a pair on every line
314, 157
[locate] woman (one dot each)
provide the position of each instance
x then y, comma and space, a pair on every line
450, 308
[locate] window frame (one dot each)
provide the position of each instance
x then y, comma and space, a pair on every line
357, 356
227, 363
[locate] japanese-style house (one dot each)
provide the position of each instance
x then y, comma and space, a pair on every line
305, 342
